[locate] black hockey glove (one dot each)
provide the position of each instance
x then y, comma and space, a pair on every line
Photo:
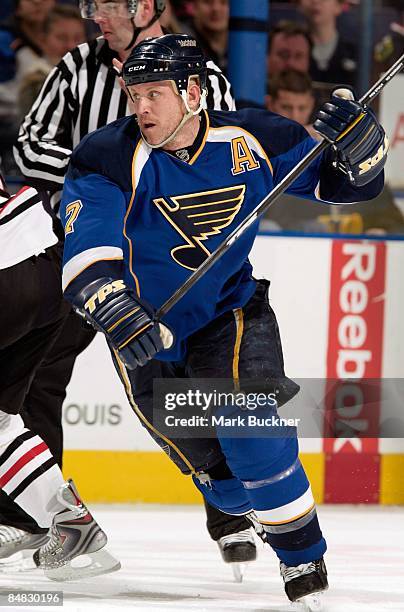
111, 307
359, 142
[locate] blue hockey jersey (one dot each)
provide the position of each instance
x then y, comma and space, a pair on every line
149, 217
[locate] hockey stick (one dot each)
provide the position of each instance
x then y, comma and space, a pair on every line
270, 199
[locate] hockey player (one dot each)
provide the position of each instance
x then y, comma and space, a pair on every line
32, 314
82, 94
146, 199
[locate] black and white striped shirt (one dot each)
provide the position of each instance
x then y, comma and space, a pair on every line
26, 228
79, 96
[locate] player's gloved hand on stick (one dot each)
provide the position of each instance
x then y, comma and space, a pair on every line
359, 142
127, 321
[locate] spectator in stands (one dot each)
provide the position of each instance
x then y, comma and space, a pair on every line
64, 29
289, 48
29, 19
22, 39
291, 95
169, 21
390, 47
333, 58
210, 25
183, 9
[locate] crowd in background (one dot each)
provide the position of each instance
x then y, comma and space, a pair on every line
311, 48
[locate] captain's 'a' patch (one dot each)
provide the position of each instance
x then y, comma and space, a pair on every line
197, 217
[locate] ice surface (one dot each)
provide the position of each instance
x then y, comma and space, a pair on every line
170, 564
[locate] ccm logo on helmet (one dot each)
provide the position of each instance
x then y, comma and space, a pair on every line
136, 68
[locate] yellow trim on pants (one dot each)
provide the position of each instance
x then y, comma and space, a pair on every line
239, 318
126, 381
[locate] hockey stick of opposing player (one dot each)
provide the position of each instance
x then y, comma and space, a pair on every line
270, 199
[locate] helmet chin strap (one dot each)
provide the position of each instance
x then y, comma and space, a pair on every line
136, 32
188, 115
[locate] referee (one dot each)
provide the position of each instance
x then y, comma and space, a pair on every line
80, 95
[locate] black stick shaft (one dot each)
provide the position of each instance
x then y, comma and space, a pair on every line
263, 206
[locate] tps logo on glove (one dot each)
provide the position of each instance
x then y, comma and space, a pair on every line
373, 161
128, 322
102, 293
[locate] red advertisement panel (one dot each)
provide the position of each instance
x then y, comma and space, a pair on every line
354, 369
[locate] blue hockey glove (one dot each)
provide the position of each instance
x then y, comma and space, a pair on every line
359, 142
111, 307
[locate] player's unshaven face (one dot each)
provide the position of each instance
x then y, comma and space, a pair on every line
158, 109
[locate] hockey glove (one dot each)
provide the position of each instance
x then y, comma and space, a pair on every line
111, 307
359, 142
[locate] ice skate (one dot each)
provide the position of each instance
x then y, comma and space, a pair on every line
75, 542
17, 548
257, 526
305, 583
238, 549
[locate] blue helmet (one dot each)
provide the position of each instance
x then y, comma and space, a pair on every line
173, 57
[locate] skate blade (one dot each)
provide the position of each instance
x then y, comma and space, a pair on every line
311, 603
238, 570
21, 561
85, 566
